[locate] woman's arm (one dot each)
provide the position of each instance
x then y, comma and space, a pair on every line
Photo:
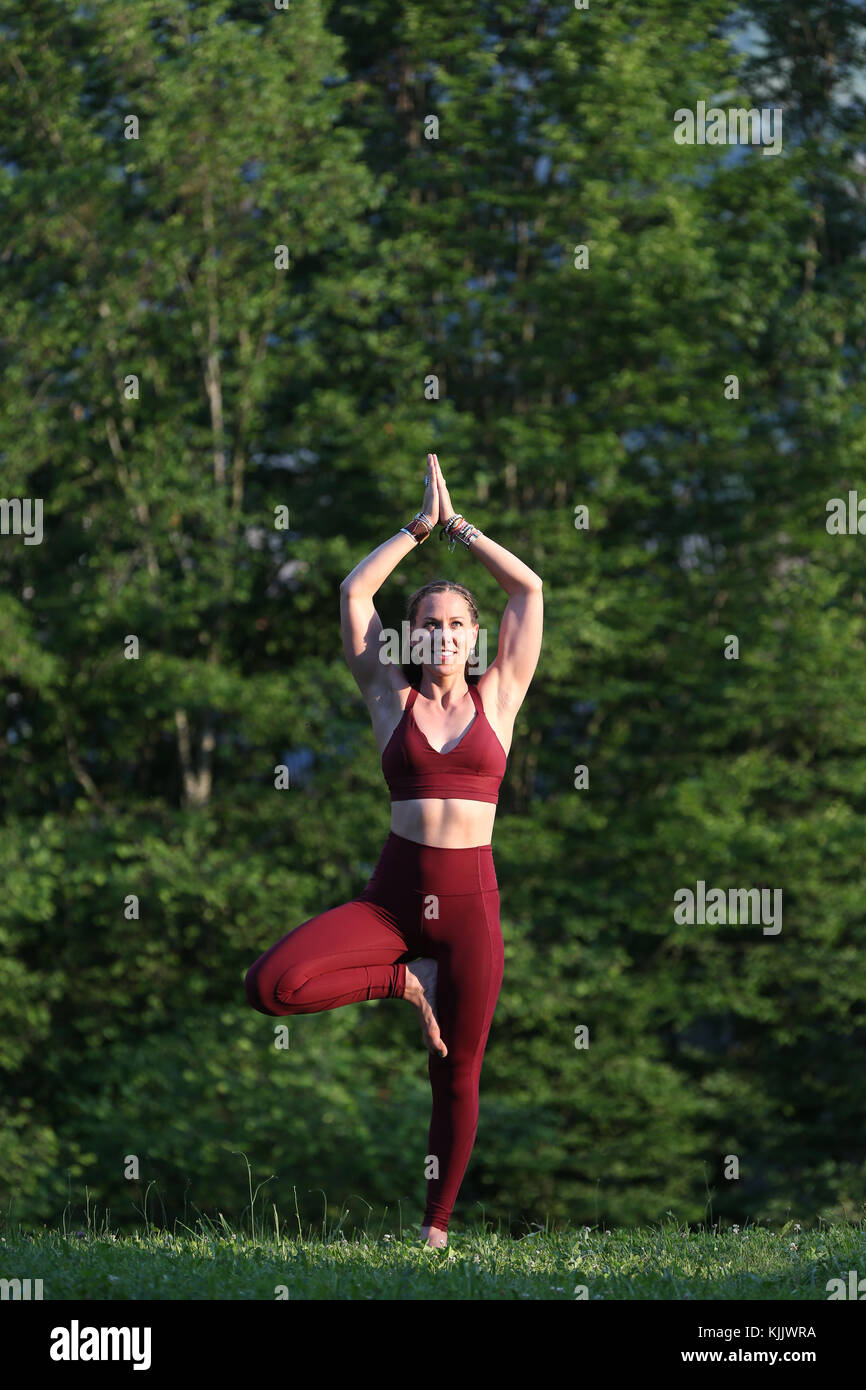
507, 570
523, 619
368, 577
359, 622
521, 627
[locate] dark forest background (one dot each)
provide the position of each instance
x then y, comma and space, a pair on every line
165, 389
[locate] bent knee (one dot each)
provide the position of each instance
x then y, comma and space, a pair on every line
264, 1002
274, 998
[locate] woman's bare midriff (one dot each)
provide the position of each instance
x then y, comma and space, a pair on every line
445, 823
452, 822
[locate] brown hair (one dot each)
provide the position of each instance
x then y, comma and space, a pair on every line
437, 586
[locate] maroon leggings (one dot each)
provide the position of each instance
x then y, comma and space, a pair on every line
420, 901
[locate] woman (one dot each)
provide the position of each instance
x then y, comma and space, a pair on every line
433, 893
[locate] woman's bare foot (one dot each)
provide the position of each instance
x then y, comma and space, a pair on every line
435, 1237
421, 992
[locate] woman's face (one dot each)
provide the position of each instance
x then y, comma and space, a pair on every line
443, 633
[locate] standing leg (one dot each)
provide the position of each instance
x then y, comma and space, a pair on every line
466, 943
343, 956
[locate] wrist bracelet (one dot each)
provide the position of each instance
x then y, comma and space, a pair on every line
458, 529
419, 527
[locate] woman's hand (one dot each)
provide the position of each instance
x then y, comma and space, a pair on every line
446, 510
430, 505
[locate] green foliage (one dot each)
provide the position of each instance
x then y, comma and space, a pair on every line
303, 388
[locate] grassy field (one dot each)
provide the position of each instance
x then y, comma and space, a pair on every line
214, 1261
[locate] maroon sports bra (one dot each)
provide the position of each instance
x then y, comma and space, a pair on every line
472, 770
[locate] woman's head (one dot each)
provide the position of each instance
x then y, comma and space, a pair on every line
449, 609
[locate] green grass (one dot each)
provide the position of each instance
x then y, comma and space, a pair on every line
215, 1261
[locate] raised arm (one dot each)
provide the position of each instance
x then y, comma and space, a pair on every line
522, 622
359, 622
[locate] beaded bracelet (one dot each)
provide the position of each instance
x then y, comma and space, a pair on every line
458, 529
